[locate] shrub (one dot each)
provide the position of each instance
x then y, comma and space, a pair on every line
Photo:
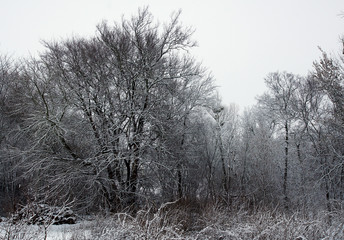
35, 213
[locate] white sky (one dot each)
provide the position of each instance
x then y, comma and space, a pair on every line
240, 41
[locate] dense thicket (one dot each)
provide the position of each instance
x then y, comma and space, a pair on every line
128, 118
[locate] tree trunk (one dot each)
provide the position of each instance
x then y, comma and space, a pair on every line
302, 177
328, 200
285, 179
133, 180
222, 157
341, 184
180, 186
243, 177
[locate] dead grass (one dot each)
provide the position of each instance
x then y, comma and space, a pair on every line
181, 220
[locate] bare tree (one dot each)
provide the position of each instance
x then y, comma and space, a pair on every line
12, 190
328, 129
280, 102
102, 109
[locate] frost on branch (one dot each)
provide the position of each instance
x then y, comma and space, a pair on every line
44, 214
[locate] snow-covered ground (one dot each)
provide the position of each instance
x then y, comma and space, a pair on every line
213, 223
76, 231
80, 230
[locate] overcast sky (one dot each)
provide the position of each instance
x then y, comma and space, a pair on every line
240, 41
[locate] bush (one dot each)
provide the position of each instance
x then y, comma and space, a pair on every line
35, 213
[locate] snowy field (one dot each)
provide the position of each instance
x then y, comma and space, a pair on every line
81, 230
213, 224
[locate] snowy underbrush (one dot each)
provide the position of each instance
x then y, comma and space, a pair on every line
269, 224
182, 221
24, 231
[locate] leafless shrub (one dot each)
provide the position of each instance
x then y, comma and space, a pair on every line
19, 231
44, 214
214, 222
218, 222
268, 224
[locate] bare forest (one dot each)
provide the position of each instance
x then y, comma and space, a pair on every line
126, 127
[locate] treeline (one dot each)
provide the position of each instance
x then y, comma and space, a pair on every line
128, 118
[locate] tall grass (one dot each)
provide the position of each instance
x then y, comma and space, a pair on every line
187, 220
